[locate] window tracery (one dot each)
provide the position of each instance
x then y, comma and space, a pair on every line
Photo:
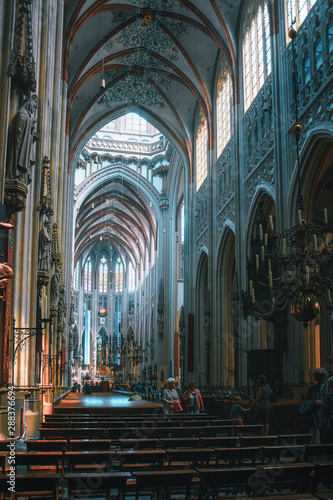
88, 275
201, 151
103, 275
224, 102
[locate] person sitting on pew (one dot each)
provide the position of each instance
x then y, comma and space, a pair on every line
76, 387
136, 397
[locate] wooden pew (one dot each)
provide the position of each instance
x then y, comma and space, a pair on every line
191, 442
88, 433
291, 439
26, 485
89, 444
282, 454
83, 485
218, 442
248, 430
46, 445
323, 474
183, 432
93, 460
192, 457
55, 433
236, 456
3, 456
278, 476
258, 440
141, 459
312, 451
138, 444
217, 430
234, 480
155, 481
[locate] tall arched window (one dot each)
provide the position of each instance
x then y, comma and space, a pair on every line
182, 223
131, 278
103, 275
224, 109
119, 276
87, 275
297, 10
201, 152
257, 54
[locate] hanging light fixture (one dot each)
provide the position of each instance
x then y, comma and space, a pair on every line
292, 269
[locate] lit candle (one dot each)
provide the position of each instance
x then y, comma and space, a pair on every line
262, 252
270, 277
271, 225
257, 262
284, 244
266, 239
269, 265
325, 216
253, 296
307, 275
260, 232
315, 245
299, 217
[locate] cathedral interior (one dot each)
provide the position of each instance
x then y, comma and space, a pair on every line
167, 171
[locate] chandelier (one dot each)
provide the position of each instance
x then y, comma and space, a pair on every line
294, 270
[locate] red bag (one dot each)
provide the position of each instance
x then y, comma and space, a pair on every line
176, 407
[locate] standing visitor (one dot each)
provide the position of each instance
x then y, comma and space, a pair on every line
264, 412
192, 399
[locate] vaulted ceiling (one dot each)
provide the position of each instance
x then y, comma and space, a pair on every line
158, 58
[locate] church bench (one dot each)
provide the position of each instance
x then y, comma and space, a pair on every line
231, 480
192, 457
3, 456
31, 485
282, 453
137, 432
55, 433
83, 485
236, 456
185, 432
157, 481
323, 474
46, 445
215, 442
118, 424
143, 459
42, 459
292, 439
89, 444
217, 430
295, 476
258, 440
138, 444
88, 433
191, 442
253, 429
312, 451
94, 460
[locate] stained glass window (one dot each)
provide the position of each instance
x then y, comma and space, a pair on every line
224, 110
88, 275
201, 152
257, 54
131, 278
119, 276
103, 275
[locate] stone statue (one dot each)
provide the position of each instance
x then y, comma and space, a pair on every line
6, 274
44, 244
21, 137
55, 289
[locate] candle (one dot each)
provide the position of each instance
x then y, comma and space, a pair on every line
315, 245
271, 225
262, 252
260, 232
269, 265
251, 287
307, 275
266, 239
299, 217
284, 244
325, 216
270, 278
253, 296
257, 262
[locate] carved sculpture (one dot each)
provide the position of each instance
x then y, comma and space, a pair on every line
44, 247
21, 137
6, 274
55, 289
